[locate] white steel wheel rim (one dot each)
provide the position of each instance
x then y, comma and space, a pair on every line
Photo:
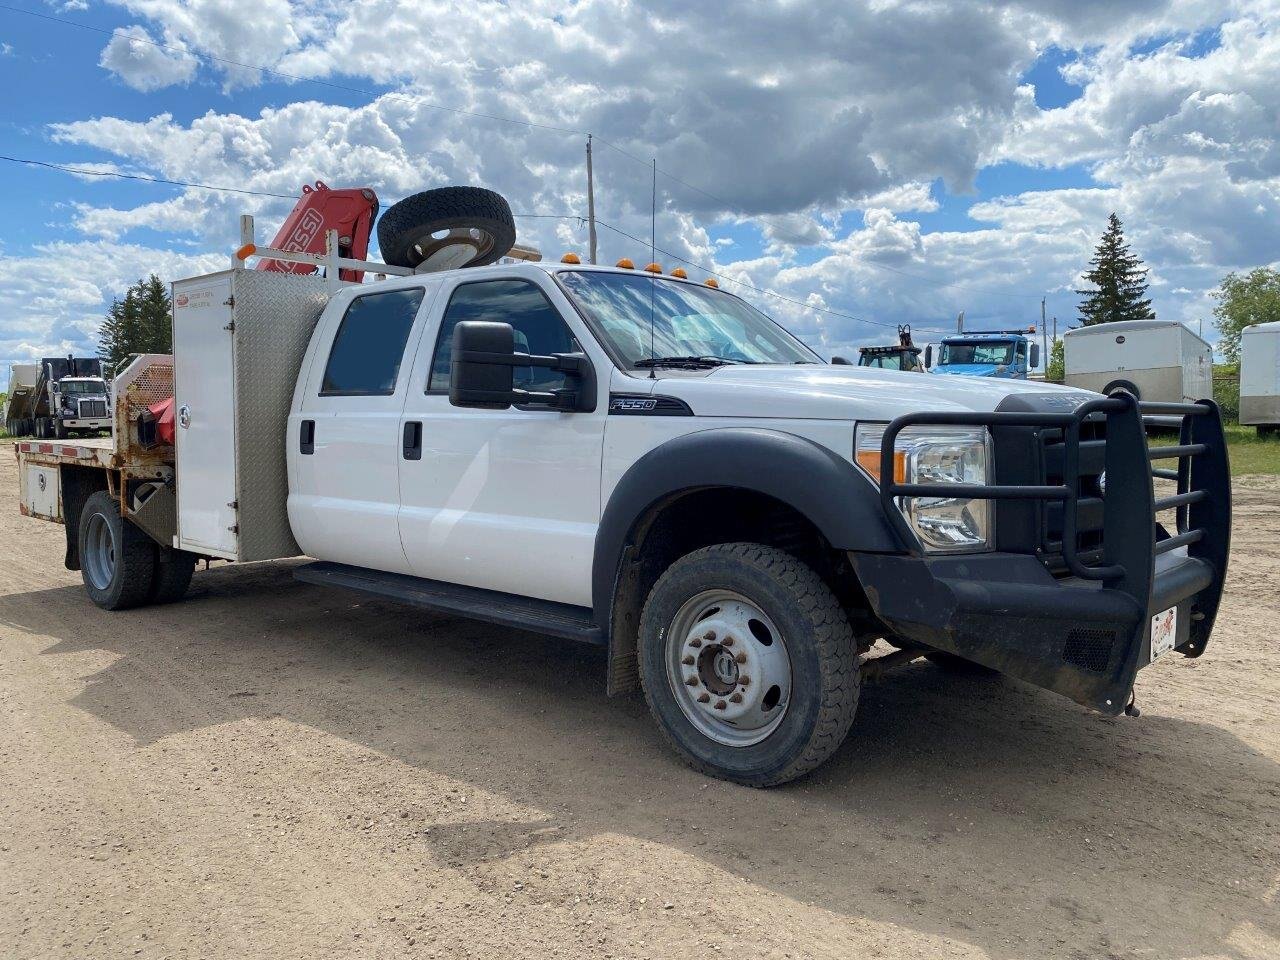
453, 248
99, 560
728, 668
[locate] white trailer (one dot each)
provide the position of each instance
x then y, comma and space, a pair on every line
1158, 360
1260, 377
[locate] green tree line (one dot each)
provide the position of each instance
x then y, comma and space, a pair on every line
139, 322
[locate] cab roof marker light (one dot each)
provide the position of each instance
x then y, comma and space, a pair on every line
571, 257
654, 268
679, 273
625, 264
711, 282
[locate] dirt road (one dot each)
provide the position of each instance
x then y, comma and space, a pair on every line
269, 770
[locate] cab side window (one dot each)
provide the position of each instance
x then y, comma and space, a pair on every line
369, 345
538, 326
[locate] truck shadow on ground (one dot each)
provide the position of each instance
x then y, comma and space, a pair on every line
980, 810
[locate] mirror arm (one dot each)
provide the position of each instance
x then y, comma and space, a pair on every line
571, 363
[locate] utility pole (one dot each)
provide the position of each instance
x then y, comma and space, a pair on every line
1044, 334
591, 206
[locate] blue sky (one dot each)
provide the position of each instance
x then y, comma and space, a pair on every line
895, 164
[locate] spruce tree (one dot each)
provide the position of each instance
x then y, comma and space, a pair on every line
140, 322
1119, 281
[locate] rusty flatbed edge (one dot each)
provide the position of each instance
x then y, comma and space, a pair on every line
90, 452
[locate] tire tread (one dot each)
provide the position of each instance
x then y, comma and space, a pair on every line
832, 636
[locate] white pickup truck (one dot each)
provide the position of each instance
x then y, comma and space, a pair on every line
648, 463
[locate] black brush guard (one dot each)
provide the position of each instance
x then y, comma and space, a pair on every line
1087, 633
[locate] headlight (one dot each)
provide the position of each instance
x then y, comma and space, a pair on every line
936, 454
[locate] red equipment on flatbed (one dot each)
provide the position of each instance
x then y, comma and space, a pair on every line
319, 210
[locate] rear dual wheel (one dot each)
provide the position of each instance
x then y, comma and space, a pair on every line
121, 566
748, 663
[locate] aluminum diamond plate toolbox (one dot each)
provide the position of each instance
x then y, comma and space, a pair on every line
274, 315
239, 340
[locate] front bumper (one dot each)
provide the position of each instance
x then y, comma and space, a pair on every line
87, 424
1084, 631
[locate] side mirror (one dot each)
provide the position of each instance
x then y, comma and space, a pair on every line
1035, 356
928, 355
841, 362
483, 364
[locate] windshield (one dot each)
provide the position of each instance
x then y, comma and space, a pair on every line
689, 322
977, 352
66, 387
889, 361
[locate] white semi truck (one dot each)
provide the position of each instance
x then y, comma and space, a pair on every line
55, 398
640, 461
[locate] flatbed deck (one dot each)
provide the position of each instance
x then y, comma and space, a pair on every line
88, 451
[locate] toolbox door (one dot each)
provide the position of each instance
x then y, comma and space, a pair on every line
204, 443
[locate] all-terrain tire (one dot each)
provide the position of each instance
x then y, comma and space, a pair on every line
172, 576
819, 641
410, 222
132, 567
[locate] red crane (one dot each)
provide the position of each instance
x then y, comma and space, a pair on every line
319, 210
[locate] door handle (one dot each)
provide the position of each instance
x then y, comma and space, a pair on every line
184, 416
307, 437
413, 440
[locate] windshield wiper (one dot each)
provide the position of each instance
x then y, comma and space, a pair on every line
691, 363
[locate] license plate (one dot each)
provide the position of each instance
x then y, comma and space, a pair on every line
1164, 631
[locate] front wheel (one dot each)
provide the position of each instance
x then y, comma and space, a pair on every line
748, 663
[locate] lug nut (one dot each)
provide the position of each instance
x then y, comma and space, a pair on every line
720, 704
727, 642
695, 643
692, 681
741, 657
736, 698
704, 697
745, 681
687, 661
709, 635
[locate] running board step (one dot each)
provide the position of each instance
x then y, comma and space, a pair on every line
521, 613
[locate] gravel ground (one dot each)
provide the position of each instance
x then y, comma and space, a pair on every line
269, 770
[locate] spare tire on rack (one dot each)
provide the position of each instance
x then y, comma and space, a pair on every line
447, 228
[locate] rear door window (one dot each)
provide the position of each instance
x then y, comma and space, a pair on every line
369, 345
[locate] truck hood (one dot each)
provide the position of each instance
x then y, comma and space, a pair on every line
819, 392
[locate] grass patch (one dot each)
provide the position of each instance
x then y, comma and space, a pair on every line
1250, 455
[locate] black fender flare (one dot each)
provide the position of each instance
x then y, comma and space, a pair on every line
830, 491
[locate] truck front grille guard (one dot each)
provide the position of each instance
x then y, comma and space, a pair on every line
1202, 500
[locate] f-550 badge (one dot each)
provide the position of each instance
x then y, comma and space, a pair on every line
632, 404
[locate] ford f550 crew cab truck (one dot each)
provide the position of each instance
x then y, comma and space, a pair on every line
644, 462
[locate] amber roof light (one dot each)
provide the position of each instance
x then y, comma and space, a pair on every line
571, 258
625, 263
711, 282
679, 273
654, 268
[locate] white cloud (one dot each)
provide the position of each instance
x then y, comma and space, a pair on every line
134, 57
58, 294
789, 119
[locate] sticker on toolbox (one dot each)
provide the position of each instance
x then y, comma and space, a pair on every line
1164, 631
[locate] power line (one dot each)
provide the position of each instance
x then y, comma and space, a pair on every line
81, 171
419, 101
